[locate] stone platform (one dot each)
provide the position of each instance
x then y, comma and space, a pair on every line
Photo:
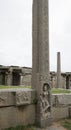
16, 107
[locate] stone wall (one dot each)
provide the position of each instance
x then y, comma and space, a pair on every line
61, 106
15, 75
27, 80
53, 80
17, 107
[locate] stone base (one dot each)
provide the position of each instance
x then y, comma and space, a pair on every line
17, 116
44, 123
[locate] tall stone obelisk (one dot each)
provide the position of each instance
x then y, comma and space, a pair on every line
40, 61
58, 70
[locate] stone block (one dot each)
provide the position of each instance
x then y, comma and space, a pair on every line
61, 99
70, 112
7, 117
7, 99
25, 115
25, 97
16, 116
59, 113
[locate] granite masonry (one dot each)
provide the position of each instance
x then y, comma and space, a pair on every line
40, 68
21, 76
15, 76
18, 107
24, 106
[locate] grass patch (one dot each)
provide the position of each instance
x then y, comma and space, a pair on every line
21, 128
55, 91
6, 87
66, 124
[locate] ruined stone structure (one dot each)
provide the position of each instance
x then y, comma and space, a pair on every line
40, 68
53, 80
27, 75
65, 80
15, 104
14, 75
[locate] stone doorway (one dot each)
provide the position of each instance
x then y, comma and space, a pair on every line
67, 82
15, 79
2, 78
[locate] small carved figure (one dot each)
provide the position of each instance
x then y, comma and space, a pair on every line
44, 103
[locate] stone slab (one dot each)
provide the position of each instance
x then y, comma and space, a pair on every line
15, 116
7, 99
24, 97
7, 117
61, 100
16, 97
59, 113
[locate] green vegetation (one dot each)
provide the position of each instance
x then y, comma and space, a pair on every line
5, 87
55, 91
66, 124
21, 128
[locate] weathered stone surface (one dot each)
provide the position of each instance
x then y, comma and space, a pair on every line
59, 113
61, 100
27, 79
40, 69
25, 115
13, 97
7, 117
25, 97
70, 112
7, 99
14, 116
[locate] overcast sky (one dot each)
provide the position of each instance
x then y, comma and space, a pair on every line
16, 32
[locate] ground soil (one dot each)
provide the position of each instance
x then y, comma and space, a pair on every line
54, 126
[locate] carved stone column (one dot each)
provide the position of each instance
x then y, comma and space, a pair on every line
40, 60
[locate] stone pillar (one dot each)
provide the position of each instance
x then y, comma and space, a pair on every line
40, 60
6, 77
58, 71
21, 79
52, 84
9, 77
67, 81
